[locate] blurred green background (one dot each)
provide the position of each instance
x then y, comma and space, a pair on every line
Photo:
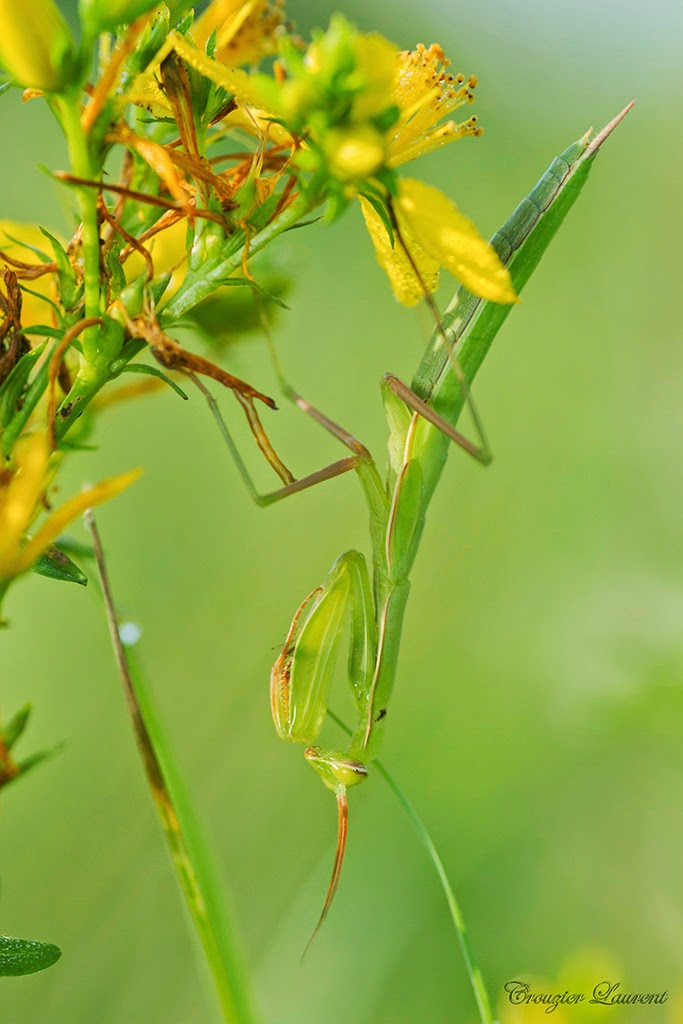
537, 722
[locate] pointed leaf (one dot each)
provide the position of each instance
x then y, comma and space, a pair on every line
26, 956
57, 565
16, 726
153, 371
35, 759
14, 384
68, 286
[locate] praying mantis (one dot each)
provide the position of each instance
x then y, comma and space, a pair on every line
422, 425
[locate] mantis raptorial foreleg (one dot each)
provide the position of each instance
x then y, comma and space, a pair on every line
301, 678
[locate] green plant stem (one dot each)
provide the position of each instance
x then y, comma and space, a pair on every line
83, 166
194, 868
198, 286
92, 378
473, 970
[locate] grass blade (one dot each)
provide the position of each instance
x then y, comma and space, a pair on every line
422, 833
471, 322
194, 868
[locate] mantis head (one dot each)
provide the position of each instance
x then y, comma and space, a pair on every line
336, 769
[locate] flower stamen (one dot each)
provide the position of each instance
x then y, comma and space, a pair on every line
425, 93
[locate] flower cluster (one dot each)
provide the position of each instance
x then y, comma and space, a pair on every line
214, 159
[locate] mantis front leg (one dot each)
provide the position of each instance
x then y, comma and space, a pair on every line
301, 679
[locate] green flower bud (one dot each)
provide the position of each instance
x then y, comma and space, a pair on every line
35, 44
105, 15
354, 153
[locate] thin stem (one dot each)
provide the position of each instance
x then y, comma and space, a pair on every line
83, 166
195, 872
189, 294
473, 970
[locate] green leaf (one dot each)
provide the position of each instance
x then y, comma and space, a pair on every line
470, 322
15, 727
35, 759
77, 446
11, 770
15, 383
57, 565
378, 203
42, 330
75, 548
26, 956
153, 371
68, 286
34, 392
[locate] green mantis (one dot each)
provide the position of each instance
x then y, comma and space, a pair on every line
422, 424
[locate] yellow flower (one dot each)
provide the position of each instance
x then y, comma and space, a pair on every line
376, 63
14, 239
245, 32
565, 998
35, 44
22, 490
432, 233
425, 93
168, 249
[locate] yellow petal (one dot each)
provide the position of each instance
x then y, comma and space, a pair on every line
35, 44
376, 68
19, 500
407, 286
257, 122
437, 225
169, 251
245, 31
235, 81
33, 309
72, 508
158, 157
146, 92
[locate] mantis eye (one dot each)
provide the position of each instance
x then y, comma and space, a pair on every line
336, 768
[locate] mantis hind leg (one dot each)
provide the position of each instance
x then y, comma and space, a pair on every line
291, 485
481, 452
360, 456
